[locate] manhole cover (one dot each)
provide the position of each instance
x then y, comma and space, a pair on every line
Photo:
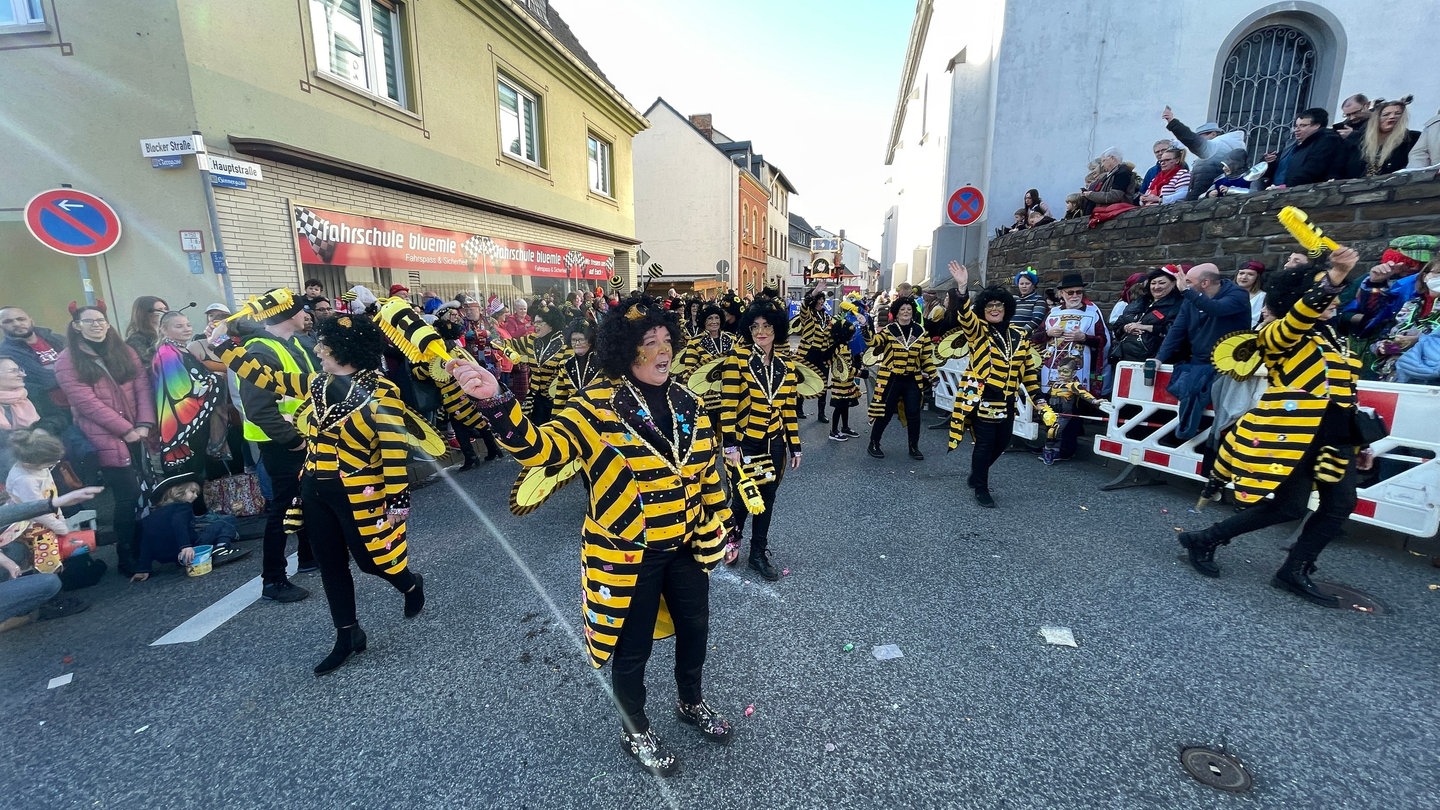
1215, 769
1352, 598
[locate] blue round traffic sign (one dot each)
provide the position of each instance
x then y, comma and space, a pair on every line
72, 222
965, 206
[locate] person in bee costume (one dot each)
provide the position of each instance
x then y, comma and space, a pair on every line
844, 391
581, 367
759, 419
1303, 436
354, 488
816, 346
712, 343
906, 367
657, 515
1001, 362
545, 353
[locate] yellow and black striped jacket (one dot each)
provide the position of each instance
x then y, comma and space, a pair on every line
700, 350
903, 352
641, 496
362, 440
758, 400
814, 328
1308, 371
1001, 362
843, 388
577, 373
545, 356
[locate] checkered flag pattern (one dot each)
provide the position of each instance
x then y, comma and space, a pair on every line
477, 246
574, 259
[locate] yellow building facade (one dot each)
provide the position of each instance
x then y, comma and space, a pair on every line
444, 145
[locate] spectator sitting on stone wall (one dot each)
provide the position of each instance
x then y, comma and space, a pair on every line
1232, 176
1116, 184
1034, 203
1159, 149
1384, 147
1171, 184
1317, 154
1074, 206
1036, 218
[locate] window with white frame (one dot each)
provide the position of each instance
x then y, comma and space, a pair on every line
598, 156
519, 121
27, 14
361, 43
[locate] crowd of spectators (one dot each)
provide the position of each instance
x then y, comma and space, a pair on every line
1368, 139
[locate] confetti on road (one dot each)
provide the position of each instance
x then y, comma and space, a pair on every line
1058, 636
886, 652
1084, 509
829, 747
62, 680
785, 572
1435, 587
1164, 511
142, 728
850, 647
749, 710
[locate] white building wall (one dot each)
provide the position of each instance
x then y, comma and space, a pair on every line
1072, 79
686, 197
778, 228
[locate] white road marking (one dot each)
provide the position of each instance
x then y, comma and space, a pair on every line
201, 624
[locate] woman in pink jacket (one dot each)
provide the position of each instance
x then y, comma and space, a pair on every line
110, 398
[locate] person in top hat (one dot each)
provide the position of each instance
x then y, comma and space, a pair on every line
1074, 329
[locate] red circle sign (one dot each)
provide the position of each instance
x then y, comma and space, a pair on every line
965, 206
72, 222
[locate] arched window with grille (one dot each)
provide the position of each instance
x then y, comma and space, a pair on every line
1277, 61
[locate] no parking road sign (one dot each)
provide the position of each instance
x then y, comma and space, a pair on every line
965, 206
72, 222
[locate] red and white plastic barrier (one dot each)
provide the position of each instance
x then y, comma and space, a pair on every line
1406, 502
950, 374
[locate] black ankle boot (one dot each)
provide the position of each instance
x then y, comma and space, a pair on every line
761, 562
1292, 577
874, 450
415, 598
1200, 548
347, 640
915, 453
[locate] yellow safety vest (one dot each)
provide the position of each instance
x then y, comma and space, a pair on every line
287, 405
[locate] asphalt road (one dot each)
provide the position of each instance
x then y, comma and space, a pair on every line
486, 700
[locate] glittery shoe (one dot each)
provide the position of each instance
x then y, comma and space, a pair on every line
647, 750
701, 716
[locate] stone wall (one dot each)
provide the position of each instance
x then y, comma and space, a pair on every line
1229, 231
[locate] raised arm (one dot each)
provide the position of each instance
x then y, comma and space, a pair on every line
555, 442
1286, 332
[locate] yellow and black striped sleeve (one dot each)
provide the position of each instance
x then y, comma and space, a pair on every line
558, 441
1030, 373
734, 397
713, 493
564, 384
260, 374
790, 410
969, 322
690, 358
1285, 333
389, 427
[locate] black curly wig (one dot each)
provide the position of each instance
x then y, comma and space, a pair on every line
841, 331
583, 327
1285, 287
707, 311
353, 340
904, 301
772, 313
618, 338
551, 316
990, 295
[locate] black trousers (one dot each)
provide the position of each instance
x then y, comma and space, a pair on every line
900, 392
283, 466
686, 588
992, 436
541, 409
124, 487
464, 436
760, 531
1289, 503
336, 538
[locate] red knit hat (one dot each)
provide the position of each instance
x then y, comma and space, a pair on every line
398, 288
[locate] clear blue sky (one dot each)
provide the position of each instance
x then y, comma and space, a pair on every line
812, 83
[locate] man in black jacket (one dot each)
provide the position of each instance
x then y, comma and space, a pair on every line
35, 350
1317, 154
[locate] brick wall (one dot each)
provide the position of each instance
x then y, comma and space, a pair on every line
260, 235
1229, 231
